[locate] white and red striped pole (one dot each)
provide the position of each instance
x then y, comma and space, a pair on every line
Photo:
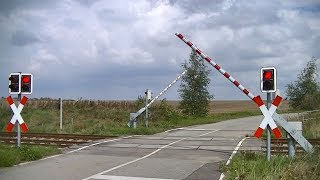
256, 99
16, 115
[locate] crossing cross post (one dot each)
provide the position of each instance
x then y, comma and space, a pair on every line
18, 126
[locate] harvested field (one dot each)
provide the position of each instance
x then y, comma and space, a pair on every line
234, 106
215, 106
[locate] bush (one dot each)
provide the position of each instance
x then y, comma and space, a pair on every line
304, 93
163, 112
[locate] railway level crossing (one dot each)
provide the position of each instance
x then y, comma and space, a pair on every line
19, 83
269, 115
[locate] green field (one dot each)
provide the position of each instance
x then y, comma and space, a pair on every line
111, 117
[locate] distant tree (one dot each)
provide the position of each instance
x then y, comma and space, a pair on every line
304, 93
193, 90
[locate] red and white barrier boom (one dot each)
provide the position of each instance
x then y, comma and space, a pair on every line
268, 114
16, 114
256, 99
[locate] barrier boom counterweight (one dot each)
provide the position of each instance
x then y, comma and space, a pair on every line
256, 99
133, 118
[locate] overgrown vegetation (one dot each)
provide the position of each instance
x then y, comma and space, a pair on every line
194, 94
11, 155
106, 117
311, 125
253, 166
304, 93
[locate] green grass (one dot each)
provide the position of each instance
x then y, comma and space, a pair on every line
311, 127
11, 155
249, 165
88, 118
156, 124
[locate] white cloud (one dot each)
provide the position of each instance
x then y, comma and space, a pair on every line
226, 5
42, 60
172, 61
101, 36
159, 19
131, 56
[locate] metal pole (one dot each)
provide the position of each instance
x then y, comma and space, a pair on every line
291, 141
146, 118
268, 130
60, 101
291, 146
18, 126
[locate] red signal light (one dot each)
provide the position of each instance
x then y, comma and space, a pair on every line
268, 79
267, 75
26, 83
25, 79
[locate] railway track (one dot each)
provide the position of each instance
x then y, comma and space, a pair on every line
60, 140
281, 145
66, 140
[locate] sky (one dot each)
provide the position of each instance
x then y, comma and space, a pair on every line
115, 50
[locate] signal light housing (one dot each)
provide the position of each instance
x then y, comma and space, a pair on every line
268, 78
26, 83
14, 83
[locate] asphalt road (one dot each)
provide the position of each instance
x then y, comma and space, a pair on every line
185, 153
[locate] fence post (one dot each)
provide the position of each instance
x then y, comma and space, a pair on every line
60, 102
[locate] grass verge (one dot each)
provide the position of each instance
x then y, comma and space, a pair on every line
176, 122
11, 155
311, 126
249, 165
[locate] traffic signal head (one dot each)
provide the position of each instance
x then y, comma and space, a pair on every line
268, 79
14, 83
26, 83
